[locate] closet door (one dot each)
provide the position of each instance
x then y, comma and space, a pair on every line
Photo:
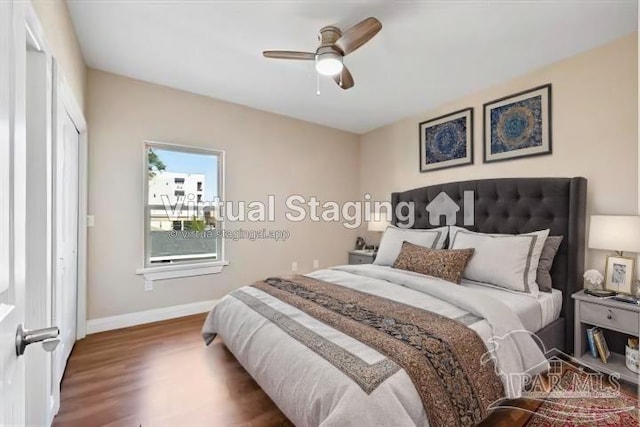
65, 290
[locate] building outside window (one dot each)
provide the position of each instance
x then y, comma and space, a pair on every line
180, 220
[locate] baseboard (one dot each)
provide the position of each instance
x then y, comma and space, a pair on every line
148, 316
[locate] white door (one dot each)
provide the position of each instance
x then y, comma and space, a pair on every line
12, 211
18, 188
65, 291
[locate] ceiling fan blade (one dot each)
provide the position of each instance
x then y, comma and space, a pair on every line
347, 79
358, 35
289, 54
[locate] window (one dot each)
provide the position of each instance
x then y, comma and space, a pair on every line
182, 184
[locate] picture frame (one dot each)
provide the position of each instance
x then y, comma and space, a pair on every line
446, 141
518, 125
619, 274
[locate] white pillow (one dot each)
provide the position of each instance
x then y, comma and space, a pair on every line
391, 242
506, 260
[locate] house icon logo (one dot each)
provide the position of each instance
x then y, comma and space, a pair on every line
444, 205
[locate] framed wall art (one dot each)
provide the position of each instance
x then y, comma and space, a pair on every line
518, 125
447, 141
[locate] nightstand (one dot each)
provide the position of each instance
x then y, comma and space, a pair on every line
361, 257
606, 314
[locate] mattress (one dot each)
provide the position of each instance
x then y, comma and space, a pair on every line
534, 313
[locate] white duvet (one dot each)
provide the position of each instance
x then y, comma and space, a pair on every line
311, 391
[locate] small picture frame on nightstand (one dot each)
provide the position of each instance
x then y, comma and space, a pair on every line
619, 274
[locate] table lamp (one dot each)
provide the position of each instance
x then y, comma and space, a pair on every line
377, 223
621, 234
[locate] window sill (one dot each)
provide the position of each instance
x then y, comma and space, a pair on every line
184, 270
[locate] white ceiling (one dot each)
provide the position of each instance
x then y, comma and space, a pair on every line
428, 52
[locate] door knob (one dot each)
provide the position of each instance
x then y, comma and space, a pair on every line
47, 336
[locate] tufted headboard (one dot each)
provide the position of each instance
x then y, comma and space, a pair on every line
515, 206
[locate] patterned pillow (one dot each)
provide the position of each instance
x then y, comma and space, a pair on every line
447, 264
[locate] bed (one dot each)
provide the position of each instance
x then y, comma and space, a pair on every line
324, 370
521, 205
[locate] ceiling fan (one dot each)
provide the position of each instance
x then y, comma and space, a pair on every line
334, 46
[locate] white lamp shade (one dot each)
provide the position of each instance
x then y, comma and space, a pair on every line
377, 224
615, 233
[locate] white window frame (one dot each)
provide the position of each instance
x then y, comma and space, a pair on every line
185, 269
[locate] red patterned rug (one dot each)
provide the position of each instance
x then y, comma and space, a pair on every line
619, 411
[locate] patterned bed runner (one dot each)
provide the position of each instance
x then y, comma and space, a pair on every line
440, 355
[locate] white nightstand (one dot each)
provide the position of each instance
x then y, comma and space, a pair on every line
606, 314
361, 257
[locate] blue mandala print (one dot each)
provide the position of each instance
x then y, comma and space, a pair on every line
446, 141
516, 126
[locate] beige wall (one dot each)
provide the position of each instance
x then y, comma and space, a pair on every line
61, 37
265, 154
595, 134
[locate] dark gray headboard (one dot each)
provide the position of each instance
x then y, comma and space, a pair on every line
521, 205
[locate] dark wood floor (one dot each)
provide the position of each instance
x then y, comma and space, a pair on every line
162, 374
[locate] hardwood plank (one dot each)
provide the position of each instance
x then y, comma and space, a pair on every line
160, 374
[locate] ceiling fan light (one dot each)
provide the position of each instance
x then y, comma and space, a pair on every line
329, 63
